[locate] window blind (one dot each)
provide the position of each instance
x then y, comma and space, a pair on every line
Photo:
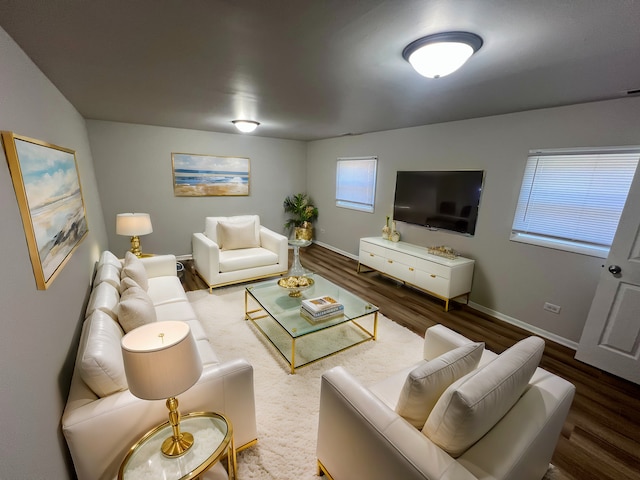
356, 183
574, 198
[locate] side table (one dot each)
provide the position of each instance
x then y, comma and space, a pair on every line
213, 438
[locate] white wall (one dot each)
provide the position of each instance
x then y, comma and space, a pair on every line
133, 167
511, 279
40, 328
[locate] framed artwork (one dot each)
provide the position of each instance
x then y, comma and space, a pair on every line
208, 175
47, 185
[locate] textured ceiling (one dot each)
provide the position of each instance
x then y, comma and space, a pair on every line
311, 69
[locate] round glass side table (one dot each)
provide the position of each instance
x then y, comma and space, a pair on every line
297, 270
213, 439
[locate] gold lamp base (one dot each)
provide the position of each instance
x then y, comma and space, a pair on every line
180, 442
135, 246
174, 447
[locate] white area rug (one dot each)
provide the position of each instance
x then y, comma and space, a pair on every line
287, 405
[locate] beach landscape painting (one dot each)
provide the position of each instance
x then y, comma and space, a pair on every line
197, 175
47, 185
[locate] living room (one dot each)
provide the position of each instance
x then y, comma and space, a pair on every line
127, 167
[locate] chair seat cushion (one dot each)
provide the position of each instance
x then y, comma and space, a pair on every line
471, 406
233, 260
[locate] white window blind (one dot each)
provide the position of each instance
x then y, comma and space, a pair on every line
573, 200
356, 183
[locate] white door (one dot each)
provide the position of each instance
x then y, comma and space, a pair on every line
611, 336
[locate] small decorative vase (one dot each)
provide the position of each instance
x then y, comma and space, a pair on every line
395, 235
304, 233
386, 231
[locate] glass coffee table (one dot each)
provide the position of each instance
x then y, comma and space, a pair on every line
302, 341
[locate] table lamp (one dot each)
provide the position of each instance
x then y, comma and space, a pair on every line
132, 225
161, 361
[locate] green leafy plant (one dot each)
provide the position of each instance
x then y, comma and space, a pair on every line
302, 210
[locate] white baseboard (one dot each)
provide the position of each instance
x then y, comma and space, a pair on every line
530, 328
334, 249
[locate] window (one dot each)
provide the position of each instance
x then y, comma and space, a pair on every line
356, 183
572, 200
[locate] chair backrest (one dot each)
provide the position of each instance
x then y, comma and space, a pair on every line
211, 224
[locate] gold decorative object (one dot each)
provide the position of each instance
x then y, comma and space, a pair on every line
443, 251
295, 285
386, 231
304, 232
395, 235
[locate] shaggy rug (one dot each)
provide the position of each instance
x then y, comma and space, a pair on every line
287, 405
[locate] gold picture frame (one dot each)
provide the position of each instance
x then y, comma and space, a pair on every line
47, 184
197, 175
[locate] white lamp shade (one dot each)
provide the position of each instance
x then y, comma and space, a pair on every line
440, 59
246, 126
161, 360
133, 224
441, 54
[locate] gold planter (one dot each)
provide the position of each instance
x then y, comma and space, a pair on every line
304, 233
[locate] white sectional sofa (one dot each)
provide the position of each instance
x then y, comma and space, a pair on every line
492, 417
102, 419
238, 249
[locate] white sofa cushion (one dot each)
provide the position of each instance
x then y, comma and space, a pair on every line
236, 235
105, 297
426, 382
108, 273
108, 258
134, 269
471, 406
135, 309
234, 260
211, 225
99, 355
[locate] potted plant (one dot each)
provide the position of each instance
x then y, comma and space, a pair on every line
303, 212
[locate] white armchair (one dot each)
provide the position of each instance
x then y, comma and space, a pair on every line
238, 249
362, 435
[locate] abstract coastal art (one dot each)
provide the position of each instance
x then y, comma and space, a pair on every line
47, 185
207, 175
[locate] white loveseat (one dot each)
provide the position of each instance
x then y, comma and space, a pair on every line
238, 249
361, 435
102, 419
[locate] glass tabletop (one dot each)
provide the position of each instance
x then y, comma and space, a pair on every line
285, 309
211, 435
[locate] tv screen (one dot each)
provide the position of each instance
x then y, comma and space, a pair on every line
447, 200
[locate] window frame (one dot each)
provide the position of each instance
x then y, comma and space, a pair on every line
353, 203
557, 242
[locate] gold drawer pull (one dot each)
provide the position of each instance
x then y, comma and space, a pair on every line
411, 269
433, 276
390, 261
371, 255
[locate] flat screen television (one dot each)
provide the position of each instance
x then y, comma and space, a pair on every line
447, 200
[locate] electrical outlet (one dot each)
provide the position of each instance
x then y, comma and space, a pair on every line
550, 307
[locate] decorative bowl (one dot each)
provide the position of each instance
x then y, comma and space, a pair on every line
295, 285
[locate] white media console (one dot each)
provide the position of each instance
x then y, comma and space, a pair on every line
439, 276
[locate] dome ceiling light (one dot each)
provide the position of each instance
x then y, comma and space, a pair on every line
437, 55
245, 126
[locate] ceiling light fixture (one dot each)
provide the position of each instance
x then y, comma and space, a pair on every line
437, 55
245, 126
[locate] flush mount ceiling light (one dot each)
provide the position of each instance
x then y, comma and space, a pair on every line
245, 126
440, 54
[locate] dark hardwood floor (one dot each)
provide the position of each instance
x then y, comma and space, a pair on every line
601, 438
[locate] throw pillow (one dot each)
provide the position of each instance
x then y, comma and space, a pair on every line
426, 383
235, 235
134, 269
99, 355
135, 309
127, 282
471, 406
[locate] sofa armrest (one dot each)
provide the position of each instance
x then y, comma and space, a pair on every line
440, 339
100, 433
360, 437
160, 266
276, 243
206, 256
531, 429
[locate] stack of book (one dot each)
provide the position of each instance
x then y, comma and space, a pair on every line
321, 308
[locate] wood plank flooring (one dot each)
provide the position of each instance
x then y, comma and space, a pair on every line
601, 438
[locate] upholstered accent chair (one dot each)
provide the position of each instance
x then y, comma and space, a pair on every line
238, 249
